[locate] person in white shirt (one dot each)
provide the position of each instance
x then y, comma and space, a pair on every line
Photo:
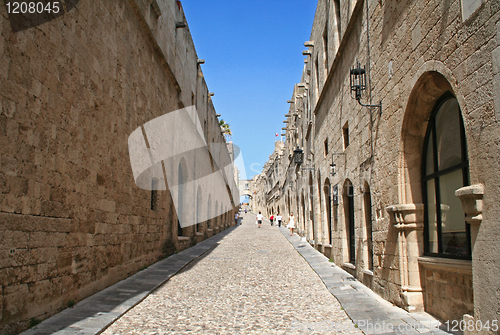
236, 216
279, 218
260, 217
291, 224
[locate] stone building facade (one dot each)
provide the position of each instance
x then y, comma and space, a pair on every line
404, 196
72, 91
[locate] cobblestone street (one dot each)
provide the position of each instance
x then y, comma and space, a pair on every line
252, 282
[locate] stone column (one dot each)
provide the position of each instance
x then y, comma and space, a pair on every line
472, 204
408, 220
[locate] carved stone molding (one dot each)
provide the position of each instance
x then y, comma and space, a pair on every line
472, 202
406, 216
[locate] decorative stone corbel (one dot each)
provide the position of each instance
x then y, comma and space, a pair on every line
472, 204
406, 216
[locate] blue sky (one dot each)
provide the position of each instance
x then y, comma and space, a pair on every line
253, 54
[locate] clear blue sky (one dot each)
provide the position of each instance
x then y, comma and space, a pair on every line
253, 54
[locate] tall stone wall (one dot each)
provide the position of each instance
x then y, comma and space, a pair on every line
72, 220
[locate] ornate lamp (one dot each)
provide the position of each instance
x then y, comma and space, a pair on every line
298, 155
358, 84
332, 169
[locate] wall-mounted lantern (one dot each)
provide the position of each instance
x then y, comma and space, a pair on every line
358, 84
298, 155
333, 171
180, 25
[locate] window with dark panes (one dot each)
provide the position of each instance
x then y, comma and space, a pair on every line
445, 169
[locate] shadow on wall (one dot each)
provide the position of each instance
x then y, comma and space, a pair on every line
393, 9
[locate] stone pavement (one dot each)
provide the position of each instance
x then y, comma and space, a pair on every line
245, 280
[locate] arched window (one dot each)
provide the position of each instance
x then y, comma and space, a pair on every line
349, 220
445, 169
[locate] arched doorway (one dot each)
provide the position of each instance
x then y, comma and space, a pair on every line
367, 202
209, 212
303, 211
328, 205
321, 228
349, 221
216, 214
182, 200
198, 209
311, 207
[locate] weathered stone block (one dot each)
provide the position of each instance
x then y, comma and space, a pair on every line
15, 301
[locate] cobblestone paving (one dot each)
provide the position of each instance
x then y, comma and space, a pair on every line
252, 282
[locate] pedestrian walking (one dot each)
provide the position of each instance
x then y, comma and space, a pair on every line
260, 217
271, 218
291, 224
236, 216
279, 218
245, 210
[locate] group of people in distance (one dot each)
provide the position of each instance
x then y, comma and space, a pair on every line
279, 219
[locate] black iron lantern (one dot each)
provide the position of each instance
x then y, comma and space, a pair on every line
358, 80
332, 169
358, 84
298, 155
